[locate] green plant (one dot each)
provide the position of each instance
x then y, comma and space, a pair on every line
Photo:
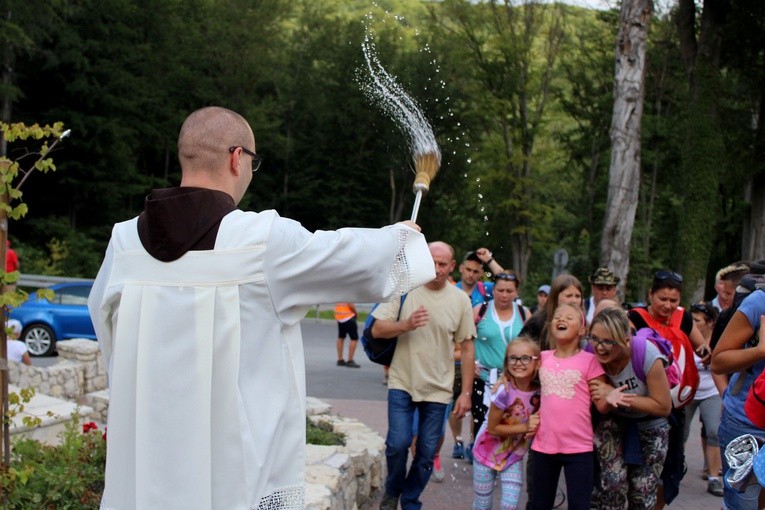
69, 476
16, 407
322, 433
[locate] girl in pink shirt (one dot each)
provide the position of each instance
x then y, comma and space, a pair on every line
564, 436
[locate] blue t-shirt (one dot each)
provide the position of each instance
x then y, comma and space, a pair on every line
476, 298
752, 307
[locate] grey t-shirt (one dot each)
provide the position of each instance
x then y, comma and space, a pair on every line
636, 386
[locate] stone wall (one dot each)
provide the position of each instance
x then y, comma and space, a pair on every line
80, 370
62, 380
87, 354
346, 477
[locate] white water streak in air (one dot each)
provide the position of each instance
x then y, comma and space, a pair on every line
383, 89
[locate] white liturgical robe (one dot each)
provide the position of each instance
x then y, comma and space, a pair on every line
206, 368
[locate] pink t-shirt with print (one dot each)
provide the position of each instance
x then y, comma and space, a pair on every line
565, 424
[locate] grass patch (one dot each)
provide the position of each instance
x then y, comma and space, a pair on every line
322, 433
315, 313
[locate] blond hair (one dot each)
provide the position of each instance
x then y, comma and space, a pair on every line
616, 322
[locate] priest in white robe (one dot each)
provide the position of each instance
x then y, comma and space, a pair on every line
197, 308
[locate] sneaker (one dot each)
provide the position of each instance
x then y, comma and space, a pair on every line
388, 503
341, 363
714, 486
352, 364
438, 470
469, 453
459, 450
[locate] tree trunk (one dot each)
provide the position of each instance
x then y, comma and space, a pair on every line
703, 147
624, 171
754, 227
5, 116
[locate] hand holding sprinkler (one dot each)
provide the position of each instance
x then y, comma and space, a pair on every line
426, 167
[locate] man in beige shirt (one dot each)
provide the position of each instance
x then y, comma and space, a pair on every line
433, 318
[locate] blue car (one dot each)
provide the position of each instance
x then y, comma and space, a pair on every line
46, 322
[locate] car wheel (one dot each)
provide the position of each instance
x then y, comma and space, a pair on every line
40, 340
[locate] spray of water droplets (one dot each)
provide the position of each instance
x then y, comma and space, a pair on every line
383, 90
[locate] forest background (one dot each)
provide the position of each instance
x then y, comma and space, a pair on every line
519, 94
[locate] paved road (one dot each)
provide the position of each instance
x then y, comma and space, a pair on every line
359, 393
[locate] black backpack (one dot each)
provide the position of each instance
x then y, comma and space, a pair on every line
379, 350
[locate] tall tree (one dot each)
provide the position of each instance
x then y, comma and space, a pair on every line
744, 52
507, 54
703, 147
624, 171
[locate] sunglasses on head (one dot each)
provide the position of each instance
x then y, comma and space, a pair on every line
668, 275
506, 276
702, 308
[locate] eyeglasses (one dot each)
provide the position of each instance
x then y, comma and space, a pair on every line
506, 276
668, 275
256, 159
525, 360
599, 342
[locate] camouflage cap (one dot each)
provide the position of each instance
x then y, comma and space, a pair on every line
604, 276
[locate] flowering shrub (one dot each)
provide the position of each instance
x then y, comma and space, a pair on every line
69, 476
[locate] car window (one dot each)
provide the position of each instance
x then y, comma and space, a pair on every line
74, 295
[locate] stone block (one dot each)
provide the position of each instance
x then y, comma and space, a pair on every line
317, 497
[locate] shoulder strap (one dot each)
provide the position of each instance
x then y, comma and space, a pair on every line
400, 306
482, 311
677, 317
643, 313
521, 311
481, 289
638, 346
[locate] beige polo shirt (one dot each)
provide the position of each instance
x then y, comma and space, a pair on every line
423, 364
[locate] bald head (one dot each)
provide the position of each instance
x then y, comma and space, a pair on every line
203, 150
443, 258
207, 134
605, 303
442, 247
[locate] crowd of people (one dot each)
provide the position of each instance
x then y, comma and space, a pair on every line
628, 381
197, 308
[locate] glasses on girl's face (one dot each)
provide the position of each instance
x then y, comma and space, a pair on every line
524, 360
600, 342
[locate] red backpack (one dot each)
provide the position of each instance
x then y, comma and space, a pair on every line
682, 351
754, 407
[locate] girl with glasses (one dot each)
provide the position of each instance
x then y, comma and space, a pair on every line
504, 438
632, 439
499, 323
